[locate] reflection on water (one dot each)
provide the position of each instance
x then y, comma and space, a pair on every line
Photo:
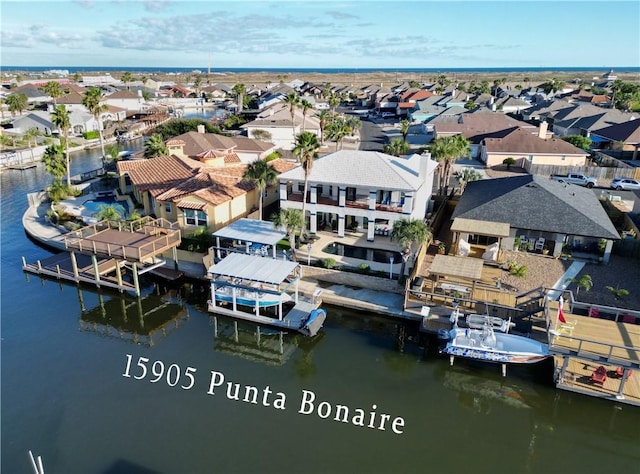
142, 320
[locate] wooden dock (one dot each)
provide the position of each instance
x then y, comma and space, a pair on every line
584, 343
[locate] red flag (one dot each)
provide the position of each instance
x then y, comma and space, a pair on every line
560, 311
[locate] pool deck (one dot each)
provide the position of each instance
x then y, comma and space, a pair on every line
358, 239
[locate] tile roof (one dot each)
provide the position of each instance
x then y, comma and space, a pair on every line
536, 203
124, 94
175, 179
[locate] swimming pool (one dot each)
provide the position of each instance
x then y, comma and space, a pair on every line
93, 206
363, 253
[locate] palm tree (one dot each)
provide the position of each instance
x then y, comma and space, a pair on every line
407, 232
155, 146
466, 176
305, 106
260, 134
112, 152
583, 282
397, 147
354, 123
290, 220
334, 101
262, 176
17, 102
324, 117
292, 101
60, 117
239, 90
126, 78
446, 150
32, 134
92, 101
306, 149
54, 90
54, 162
108, 212
337, 130
405, 125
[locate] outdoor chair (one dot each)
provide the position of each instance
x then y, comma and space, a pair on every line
620, 372
599, 376
594, 313
540, 244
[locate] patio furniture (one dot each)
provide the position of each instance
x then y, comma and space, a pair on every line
620, 372
627, 318
599, 376
539, 245
594, 312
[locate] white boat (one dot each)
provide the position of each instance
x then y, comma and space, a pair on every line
249, 297
488, 345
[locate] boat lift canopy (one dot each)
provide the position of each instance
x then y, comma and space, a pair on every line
254, 268
250, 230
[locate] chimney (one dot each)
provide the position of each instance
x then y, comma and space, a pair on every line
201, 128
425, 158
542, 132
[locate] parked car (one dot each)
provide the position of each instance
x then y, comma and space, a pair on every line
575, 178
625, 183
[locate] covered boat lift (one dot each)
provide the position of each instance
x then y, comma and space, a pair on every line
263, 276
257, 236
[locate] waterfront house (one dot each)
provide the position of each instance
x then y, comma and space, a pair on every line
276, 120
125, 100
209, 191
361, 190
235, 149
542, 214
36, 119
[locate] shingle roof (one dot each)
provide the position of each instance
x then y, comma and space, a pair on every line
626, 132
522, 141
536, 203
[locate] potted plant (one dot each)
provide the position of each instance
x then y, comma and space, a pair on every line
456, 299
441, 248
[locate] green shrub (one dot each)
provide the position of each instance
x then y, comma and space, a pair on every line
517, 269
329, 263
272, 156
364, 268
91, 134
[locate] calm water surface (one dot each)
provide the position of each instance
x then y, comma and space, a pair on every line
64, 395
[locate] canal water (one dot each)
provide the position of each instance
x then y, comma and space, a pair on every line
98, 382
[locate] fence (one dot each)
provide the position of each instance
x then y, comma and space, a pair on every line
603, 173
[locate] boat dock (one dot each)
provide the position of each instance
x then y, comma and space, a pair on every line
95, 252
603, 337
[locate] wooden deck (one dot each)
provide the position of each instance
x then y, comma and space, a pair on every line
139, 242
585, 343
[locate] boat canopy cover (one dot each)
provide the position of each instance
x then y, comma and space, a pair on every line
253, 268
250, 230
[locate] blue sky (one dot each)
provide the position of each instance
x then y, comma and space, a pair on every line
320, 34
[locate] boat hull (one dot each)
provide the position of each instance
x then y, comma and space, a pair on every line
495, 347
266, 300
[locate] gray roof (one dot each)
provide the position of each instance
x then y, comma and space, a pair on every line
362, 168
253, 268
536, 203
251, 230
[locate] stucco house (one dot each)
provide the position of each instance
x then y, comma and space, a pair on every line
125, 100
363, 190
540, 213
522, 145
236, 149
209, 192
277, 121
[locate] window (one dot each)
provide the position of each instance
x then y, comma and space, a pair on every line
194, 217
167, 207
482, 239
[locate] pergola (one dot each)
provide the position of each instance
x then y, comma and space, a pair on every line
457, 268
463, 226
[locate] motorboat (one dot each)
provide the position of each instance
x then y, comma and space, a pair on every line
487, 344
246, 297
